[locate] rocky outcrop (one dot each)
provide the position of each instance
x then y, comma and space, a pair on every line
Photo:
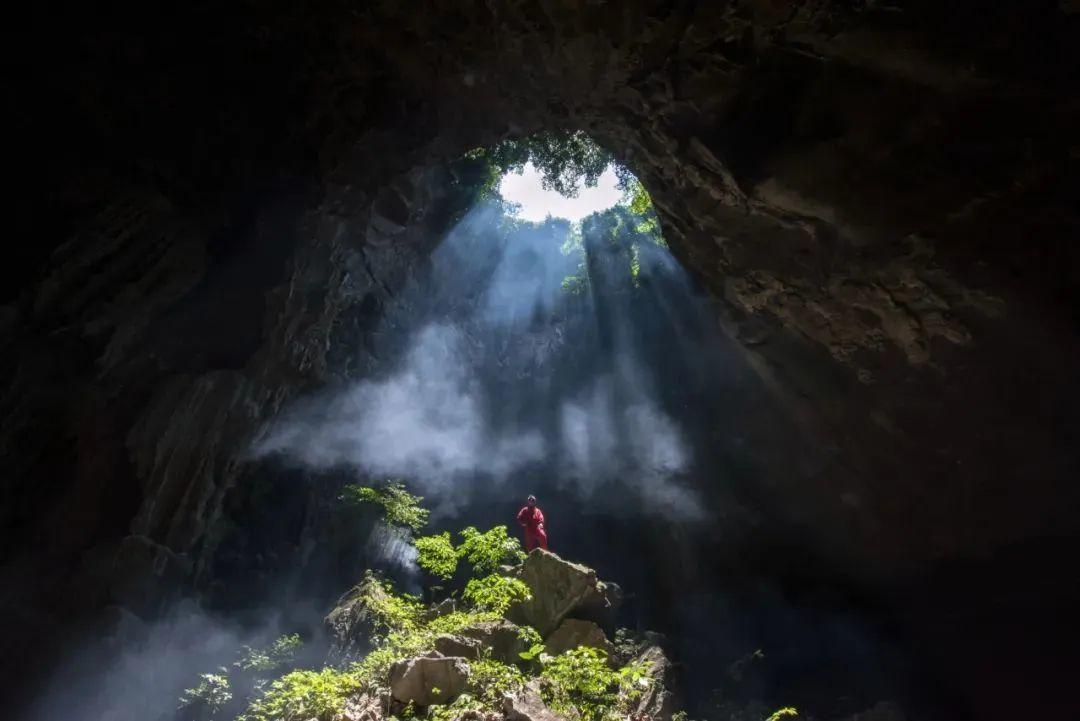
574, 633
352, 622
501, 638
427, 680
528, 706
560, 589
657, 703
451, 645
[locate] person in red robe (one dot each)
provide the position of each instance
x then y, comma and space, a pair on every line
531, 519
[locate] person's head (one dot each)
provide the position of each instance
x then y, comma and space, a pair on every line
530, 501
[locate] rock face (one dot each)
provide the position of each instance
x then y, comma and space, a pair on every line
450, 645
559, 588
658, 701
573, 633
351, 623
879, 198
427, 680
528, 706
501, 637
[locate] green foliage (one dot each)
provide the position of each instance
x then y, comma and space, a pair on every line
490, 680
392, 611
436, 555
565, 159
496, 593
781, 713
399, 507
456, 621
580, 680
213, 692
277, 654
487, 551
303, 695
533, 653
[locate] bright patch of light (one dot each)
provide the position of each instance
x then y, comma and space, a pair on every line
536, 203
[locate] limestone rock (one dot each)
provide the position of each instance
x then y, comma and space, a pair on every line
442, 608
427, 680
528, 706
560, 589
363, 708
501, 637
351, 623
658, 702
449, 645
574, 633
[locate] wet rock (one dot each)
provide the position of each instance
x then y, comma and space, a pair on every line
427, 680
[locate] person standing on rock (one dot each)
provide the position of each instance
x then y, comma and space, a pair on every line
531, 519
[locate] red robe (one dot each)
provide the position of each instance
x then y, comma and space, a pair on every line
532, 520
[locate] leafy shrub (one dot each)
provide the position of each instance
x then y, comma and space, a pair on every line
581, 680
392, 611
564, 158
399, 507
496, 593
454, 622
277, 654
436, 555
488, 550
490, 680
303, 695
212, 692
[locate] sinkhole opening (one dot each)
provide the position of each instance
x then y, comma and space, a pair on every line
531, 200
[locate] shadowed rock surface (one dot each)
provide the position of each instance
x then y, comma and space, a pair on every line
879, 199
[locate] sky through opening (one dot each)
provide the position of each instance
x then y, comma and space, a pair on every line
526, 191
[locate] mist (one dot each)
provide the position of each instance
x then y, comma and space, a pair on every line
518, 359
137, 671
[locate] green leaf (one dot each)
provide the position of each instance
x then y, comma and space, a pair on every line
436, 555
399, 507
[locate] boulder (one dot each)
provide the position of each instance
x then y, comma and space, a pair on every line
658, 701
361, 708
560, 589
352, 623
574, 633
450, 645
501, 637
429, 679
526, 705
443, 608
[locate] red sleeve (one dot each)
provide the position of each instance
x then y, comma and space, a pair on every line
521, 517
539, 518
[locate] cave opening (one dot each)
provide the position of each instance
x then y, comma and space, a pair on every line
865, 345
561, 350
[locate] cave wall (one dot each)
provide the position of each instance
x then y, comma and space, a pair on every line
878, 197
